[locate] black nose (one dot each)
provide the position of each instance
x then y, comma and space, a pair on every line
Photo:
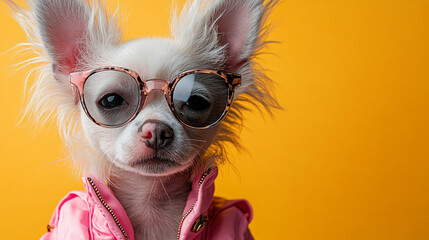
156, 134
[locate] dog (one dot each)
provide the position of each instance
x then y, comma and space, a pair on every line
150, 117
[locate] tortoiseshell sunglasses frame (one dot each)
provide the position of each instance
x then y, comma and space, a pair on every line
232, 81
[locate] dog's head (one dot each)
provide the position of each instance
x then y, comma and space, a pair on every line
132, 99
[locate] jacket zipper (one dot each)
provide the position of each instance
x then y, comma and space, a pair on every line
193, 205
108, 208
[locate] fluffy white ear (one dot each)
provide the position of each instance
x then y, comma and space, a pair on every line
70, 30
62, 27
233, 24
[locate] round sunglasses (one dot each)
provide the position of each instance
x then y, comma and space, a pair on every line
113, 96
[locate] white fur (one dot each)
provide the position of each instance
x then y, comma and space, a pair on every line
204, 36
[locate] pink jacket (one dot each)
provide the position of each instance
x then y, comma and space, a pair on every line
97, 214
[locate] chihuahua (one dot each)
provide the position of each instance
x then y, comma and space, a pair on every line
148, 120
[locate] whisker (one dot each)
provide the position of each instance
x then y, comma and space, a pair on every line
166, 193
197, 140
151, 189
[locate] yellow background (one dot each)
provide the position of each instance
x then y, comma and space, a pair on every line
347, 158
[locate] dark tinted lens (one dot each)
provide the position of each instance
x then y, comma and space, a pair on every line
200, 99
111, 97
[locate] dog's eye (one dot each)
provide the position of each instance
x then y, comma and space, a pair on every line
111, 101
198, 103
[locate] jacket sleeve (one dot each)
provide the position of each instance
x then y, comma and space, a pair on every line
70, 219
231, 223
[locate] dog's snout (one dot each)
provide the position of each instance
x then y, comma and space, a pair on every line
156, 135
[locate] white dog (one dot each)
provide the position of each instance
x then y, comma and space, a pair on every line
150, 117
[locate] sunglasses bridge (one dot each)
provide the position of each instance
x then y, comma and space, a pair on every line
155, 84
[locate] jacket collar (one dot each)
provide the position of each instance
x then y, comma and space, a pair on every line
194, 215
105, 201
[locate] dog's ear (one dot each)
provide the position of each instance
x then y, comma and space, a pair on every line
233, 24
71, 29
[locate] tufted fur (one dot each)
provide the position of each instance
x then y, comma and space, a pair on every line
75, 35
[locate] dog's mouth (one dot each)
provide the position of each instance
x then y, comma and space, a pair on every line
154, 160
154, 164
